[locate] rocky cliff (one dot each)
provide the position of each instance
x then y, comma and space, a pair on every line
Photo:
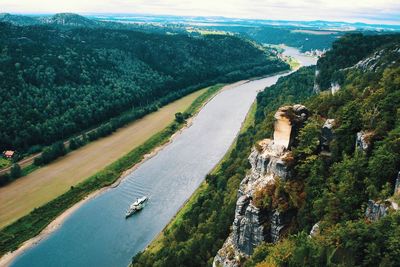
255, 219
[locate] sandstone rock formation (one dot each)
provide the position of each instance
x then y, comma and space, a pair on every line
335, 87
363, 140
376, 210
316, 87
288, 121
270, 162
315, 230
326, 134
397, 186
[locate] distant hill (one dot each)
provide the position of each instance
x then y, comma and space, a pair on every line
69, 19
18, 19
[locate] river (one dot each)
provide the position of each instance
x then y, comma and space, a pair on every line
97, 233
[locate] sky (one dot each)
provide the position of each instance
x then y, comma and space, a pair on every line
369, 11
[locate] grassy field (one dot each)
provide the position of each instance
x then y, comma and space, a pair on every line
293, 63
4, 162
42, 185
157, 243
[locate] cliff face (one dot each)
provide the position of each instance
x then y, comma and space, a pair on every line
270, 163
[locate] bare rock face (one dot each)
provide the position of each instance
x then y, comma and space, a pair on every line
288, 119
397, 186
335, 87
270, 161
315, 230
247, 227
378, 60
326, 134
376, 210
316, 88
363, 140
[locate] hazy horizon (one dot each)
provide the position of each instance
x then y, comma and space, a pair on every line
368, 11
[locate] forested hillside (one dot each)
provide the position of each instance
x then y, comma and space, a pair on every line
349, 50
343, 191
55, 81
348, 188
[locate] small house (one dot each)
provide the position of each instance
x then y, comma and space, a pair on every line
8, 154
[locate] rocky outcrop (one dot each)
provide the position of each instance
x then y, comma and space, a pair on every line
376, 210
335, 87
326, 134
379, 59
288, 119
270, 162
316, 87
315, 230
397, 185
363, 140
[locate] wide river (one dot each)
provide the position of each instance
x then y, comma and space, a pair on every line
97, 234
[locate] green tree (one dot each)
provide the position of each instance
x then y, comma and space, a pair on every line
15, 171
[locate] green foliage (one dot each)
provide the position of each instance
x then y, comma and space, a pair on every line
15, 171
76, 142
4, 162
51, 153
353, 243
181, 117
309, 137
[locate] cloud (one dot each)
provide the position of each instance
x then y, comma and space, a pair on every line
349, 10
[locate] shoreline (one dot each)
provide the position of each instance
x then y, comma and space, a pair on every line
9, 257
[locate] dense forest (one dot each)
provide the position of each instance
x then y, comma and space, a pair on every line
65, 80
332, 188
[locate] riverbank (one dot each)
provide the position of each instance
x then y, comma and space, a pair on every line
200, 228
39, 221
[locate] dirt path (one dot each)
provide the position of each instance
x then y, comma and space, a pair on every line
39, 187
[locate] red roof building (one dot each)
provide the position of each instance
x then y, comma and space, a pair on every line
8, 154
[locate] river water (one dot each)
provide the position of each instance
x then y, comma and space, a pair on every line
97, 234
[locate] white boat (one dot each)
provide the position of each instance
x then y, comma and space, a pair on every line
136, 206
